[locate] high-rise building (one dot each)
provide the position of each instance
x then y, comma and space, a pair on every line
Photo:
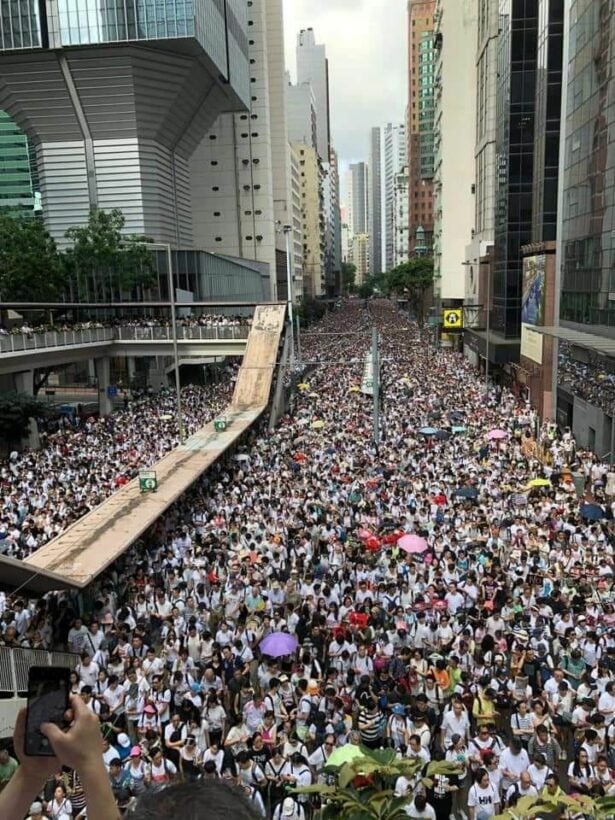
359, 257
420, 121
313, 220
395, 159
401, 246
333, 224
301, 108
16, 183
240, 172
313, 68
297, 223
358, 198
375, 209
116, 100
587, 251
456, 33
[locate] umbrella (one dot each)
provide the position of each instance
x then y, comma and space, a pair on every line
344, 754
355, 389
459, 429
467, 492
442, 435
497, 435
166, 416
538, 482
592, 512
317, 425
303, 386
278, 644
456, 414
412, 543
428, 431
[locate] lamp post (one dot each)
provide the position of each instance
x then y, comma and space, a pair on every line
287, 230
165, 246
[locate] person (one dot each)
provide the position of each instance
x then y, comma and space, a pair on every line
205, 800
8, 767
36, 811
78, 748
60, 807
483, 798
419, 808
289, 809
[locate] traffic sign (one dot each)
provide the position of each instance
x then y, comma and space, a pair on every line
112, 391
220, 425
452, 319
148, 482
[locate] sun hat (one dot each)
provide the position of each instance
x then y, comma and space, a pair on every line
136, 751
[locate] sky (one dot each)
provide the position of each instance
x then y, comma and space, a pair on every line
366, 49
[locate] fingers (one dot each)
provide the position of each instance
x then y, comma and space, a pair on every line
54, 734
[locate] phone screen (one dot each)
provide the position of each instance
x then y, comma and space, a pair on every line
48, 693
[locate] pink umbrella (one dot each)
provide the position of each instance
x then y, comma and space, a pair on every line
497, 435
412, 543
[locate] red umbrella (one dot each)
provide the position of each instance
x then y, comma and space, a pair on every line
373, 543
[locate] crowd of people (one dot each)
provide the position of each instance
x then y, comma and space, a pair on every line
437, 591
588, 381
44, 491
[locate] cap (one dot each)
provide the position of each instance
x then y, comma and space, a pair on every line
149, 709
398, 709
288, 807
123, 740
136, 751
36, 808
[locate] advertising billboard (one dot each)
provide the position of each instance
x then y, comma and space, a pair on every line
533, 306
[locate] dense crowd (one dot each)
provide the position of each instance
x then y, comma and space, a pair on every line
207, 320
588, 381
438, 592
44, 491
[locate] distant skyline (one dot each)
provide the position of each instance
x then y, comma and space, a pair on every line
366, 49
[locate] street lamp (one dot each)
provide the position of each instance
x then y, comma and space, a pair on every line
165, 246
287, 230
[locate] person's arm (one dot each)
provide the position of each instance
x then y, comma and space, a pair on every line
78, 748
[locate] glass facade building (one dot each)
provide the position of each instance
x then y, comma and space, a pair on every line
16, 182
427, 66
588, 220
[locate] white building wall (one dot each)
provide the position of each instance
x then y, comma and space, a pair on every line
395, 153
297, 223
301, 108
312, 68
232, 171
455, 119
401, 218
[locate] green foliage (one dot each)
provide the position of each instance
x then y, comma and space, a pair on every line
311, 310
412, 280
349, 277
30, 266
375, 800
545, 804
102, 262
16, 410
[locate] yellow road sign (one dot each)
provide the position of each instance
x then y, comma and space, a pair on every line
452, 318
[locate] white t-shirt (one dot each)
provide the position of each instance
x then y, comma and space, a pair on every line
484, 801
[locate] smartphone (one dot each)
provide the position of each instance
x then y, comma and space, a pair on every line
48, 700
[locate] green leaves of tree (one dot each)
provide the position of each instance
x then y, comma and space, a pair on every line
31, 267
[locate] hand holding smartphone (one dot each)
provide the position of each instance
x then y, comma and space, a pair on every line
48, 702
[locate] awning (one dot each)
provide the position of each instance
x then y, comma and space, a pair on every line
16, 574
599, 344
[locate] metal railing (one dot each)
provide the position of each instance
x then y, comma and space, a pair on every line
18, 342
15, 663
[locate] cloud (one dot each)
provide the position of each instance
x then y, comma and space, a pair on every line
366, 48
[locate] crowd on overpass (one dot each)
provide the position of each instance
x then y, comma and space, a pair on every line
206, 320
442, 592
588, 381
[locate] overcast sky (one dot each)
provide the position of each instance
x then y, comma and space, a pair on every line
366, 48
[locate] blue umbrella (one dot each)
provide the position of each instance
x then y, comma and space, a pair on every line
459, 429
592, 512
428, 431
467, 492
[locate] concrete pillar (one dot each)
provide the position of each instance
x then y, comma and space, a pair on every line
131, 365
91, 371
24, 383
103, 368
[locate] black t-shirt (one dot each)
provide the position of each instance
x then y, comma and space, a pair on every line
261, 756
440, 798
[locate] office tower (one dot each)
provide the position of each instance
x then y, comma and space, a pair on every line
17, 192
456, 32
587, 250
333, 224
116, 100
420, 123
395, 159
401, 218
313, 220
297, 223
241, 171
375, 210
359, 257
301, 112
313, 68
358, 198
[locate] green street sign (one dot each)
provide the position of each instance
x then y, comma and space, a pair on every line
148, 482
220, 425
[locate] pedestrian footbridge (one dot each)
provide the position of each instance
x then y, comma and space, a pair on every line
53, 348
75, 558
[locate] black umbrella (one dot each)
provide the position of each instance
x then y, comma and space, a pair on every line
442, 435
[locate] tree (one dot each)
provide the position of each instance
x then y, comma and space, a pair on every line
560, 805
16, 410
348, 277
30, 266
311, 310
102, 262
364, 788
412, 280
